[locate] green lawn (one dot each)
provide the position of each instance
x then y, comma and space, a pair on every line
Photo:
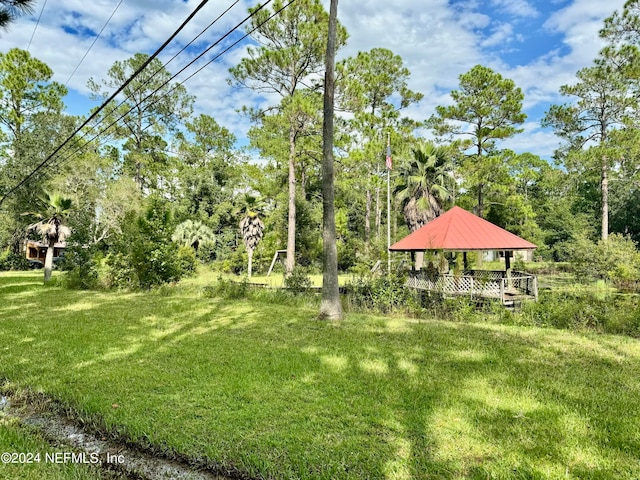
268, 390
15, 439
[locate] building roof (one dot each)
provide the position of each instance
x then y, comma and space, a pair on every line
459, 230
38, 244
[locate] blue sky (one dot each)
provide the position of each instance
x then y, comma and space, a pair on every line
540, 44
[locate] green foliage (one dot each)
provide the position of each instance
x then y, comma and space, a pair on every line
12, 261
298, 281
228, 289
381, 294
142, 130
605, 313
144, 255
615, 259
119, 272
80, 261
187, 261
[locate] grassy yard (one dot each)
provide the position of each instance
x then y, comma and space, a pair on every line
16, 439
269, 391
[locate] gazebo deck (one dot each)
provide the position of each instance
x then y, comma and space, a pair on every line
479, 284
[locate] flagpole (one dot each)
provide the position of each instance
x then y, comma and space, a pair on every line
388, 206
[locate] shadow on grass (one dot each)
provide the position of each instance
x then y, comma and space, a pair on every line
268, 391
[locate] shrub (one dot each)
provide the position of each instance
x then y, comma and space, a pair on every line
297, 281
615, 259
187, 261
13, 261
382, 293
80, 261
609, 313
119, 271
227, 289
145, 256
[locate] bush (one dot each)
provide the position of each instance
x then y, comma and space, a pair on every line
80, 261
298, 281
119, 271
227, 289
145, 256
615, 259
383, 294
187, 261
610, 313
13, 261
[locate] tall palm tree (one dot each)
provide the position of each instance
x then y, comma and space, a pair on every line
251, 226
193, 234
421, 185
9, 10
51, 225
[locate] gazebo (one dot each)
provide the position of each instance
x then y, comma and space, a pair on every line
460, 231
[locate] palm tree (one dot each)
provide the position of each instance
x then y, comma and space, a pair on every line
51, 225
422, 185
193, 234
9, 10
251, 226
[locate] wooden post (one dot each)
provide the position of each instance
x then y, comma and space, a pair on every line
465, 260
413, 261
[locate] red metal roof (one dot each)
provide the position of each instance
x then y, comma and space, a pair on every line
460, 230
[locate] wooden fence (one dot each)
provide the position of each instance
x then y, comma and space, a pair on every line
478, 284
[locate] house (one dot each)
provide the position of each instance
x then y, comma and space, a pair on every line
37, 251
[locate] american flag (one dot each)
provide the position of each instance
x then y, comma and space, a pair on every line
389, 162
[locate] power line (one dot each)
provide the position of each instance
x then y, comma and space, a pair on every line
94, 42
106, 102
129, 95
37, 23
40, 169
123, 115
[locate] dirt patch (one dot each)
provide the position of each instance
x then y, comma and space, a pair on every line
118, 460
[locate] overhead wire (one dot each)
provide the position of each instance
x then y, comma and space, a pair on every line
129, 95
60, 160
106, 102
37, 23
123, 115
94, 42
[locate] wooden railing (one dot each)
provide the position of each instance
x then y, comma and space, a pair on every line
476, 284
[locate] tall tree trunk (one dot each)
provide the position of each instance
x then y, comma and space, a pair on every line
605, 198
367, 220
481, 200
330, 306
250, 254
291, 226
48, 261
378, 213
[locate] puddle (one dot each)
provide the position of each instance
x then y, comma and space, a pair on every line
110, 455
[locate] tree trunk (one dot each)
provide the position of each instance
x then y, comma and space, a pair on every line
605, 198
330, 306
481, 200
48, 261
378, 213
367, 220
291, 227
250, 254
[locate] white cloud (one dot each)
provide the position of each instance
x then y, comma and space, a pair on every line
501, 35
518, 8
437, 39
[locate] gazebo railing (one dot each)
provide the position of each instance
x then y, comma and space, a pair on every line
476, 284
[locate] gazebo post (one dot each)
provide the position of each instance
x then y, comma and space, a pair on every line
465, 260
413, 261
507, 265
